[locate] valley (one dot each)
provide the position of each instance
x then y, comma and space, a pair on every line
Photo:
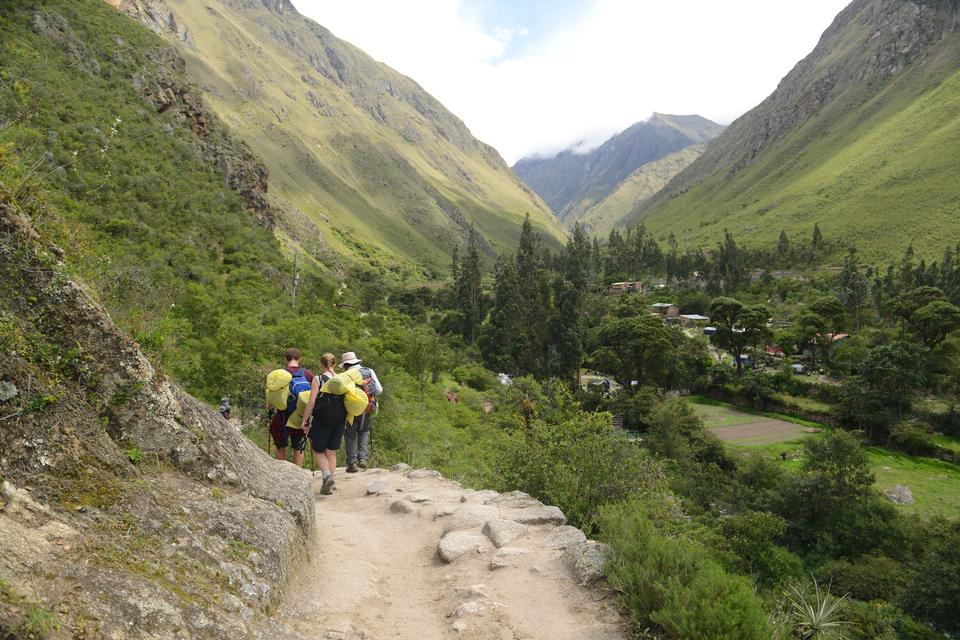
768, 314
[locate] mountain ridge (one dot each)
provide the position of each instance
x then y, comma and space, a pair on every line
852, 137
359, 154
572, 182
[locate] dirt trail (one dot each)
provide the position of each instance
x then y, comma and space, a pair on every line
376, 572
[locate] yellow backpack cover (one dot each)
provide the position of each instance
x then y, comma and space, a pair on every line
295, 421
278, 388
341, 383
355, 401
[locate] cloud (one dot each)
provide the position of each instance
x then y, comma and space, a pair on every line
580, 78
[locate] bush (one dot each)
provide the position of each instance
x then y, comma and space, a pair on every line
674, 584
475, 377
578, 464
913, 436
752, 537
872, 577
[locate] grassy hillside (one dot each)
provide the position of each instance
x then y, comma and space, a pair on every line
636, 189
357, 153
862, 137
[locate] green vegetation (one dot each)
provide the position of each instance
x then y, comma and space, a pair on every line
873, 165
363, 162
21, 617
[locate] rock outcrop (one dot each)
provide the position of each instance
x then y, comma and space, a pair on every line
127, 508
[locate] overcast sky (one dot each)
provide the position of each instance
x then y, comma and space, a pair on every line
537, 76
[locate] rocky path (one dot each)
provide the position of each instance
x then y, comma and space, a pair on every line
407, 554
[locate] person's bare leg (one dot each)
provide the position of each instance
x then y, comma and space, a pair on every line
298, 458
331, 456
281, 453
320, 459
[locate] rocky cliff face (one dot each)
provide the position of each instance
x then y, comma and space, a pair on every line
127, 508
573, 182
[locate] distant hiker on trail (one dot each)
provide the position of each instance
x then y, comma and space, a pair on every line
224, 409
358, 433
324, 420
283, 388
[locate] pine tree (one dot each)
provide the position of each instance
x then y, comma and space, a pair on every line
817, 237
501, 338
783, 245
469, 290
570, 303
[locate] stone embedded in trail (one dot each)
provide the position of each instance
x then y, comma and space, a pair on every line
469, 516
418, 474
478, 497
476, 607
503, 532
507, 557
514, 500
456, 544
402, 506
472, 592
536, 515
419, 498
401, 466
588, 560
445, 510
377, 487
564, 537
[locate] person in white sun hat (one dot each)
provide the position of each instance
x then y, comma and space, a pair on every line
357, 434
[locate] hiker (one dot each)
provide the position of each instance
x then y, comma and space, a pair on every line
324, 420
224, 409
281, 433
358, 433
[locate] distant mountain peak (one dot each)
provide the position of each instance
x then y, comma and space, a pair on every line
573, 181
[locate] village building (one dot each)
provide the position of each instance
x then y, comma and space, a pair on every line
666, 309
694, 320
623, 287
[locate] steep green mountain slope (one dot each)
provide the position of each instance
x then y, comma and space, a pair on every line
636, 189
862, 137
572, 182
358, 154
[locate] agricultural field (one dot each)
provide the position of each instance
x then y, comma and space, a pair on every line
935, 484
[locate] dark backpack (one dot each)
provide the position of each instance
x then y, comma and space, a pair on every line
298, 383
367, 387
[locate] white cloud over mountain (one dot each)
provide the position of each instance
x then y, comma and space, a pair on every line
585, 75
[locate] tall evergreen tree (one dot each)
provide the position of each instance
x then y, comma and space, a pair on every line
570, 305
468, 290
504, 334
817, 239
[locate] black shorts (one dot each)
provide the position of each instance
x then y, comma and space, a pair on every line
325, 437
298, 439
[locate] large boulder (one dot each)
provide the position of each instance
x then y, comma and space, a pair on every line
588, 561
469, 516
503, 532
459, 543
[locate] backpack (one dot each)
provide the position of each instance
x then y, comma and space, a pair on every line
367, 386
298, 384
295, 421
341, 383
278, 388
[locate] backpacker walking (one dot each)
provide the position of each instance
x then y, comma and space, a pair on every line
284, 387
358, 433
324, 419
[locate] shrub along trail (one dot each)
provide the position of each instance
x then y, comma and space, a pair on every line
408, 554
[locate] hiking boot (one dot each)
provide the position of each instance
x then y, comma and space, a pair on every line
363, 465
352, 467
327, 487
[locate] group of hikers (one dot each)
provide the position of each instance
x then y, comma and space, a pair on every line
326, 408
